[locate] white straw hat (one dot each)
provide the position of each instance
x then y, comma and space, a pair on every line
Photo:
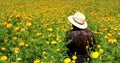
78, 20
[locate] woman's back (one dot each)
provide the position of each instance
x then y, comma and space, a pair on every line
79, 40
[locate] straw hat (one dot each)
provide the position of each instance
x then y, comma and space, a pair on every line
78, 20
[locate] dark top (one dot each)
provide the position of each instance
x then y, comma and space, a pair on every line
78, 40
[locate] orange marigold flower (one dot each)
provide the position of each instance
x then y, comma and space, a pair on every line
4, 58
8, 25
21, 43
16, 49
38, 34
112, 41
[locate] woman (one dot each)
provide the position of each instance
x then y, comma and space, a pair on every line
79, 38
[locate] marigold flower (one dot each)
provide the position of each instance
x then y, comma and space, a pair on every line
57, 29
4, 58
98, 46
44, 53
67, 60
53, 42
37, 61
41, 62
23, 29
16, 49
38, 34
17, 16
3, 48
16, 28
50, 29
73, 61
19, 59
118, 33
109, 34
26, 45
58, 49
8, 25
95, 54
29, 24
21, 43
4, 23
5, 40
74, 57
101, 51
106, 37
112, 41
14, 38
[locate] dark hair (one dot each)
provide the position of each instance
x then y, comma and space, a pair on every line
75, 28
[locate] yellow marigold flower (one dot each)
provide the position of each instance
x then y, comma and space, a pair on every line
37, 61
8, 25
41, 62
26, 45
106, 37
5, 40
58, 37
118, 33
112, 41
16, 49
57, 29
109, 34
58, 49
4, 23
29, 24
21, 43
23, 29
74, 57
53, 42
44, 53
67, 60
3, 48
95, 54
115, 29
101, 51
14, 38
19, 59
4, 58
17, 16
17, 28
50, 29
73, 61
38, 34
98, 46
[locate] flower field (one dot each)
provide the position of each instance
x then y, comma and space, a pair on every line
33, 31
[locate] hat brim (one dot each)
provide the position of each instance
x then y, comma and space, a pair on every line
71, 20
